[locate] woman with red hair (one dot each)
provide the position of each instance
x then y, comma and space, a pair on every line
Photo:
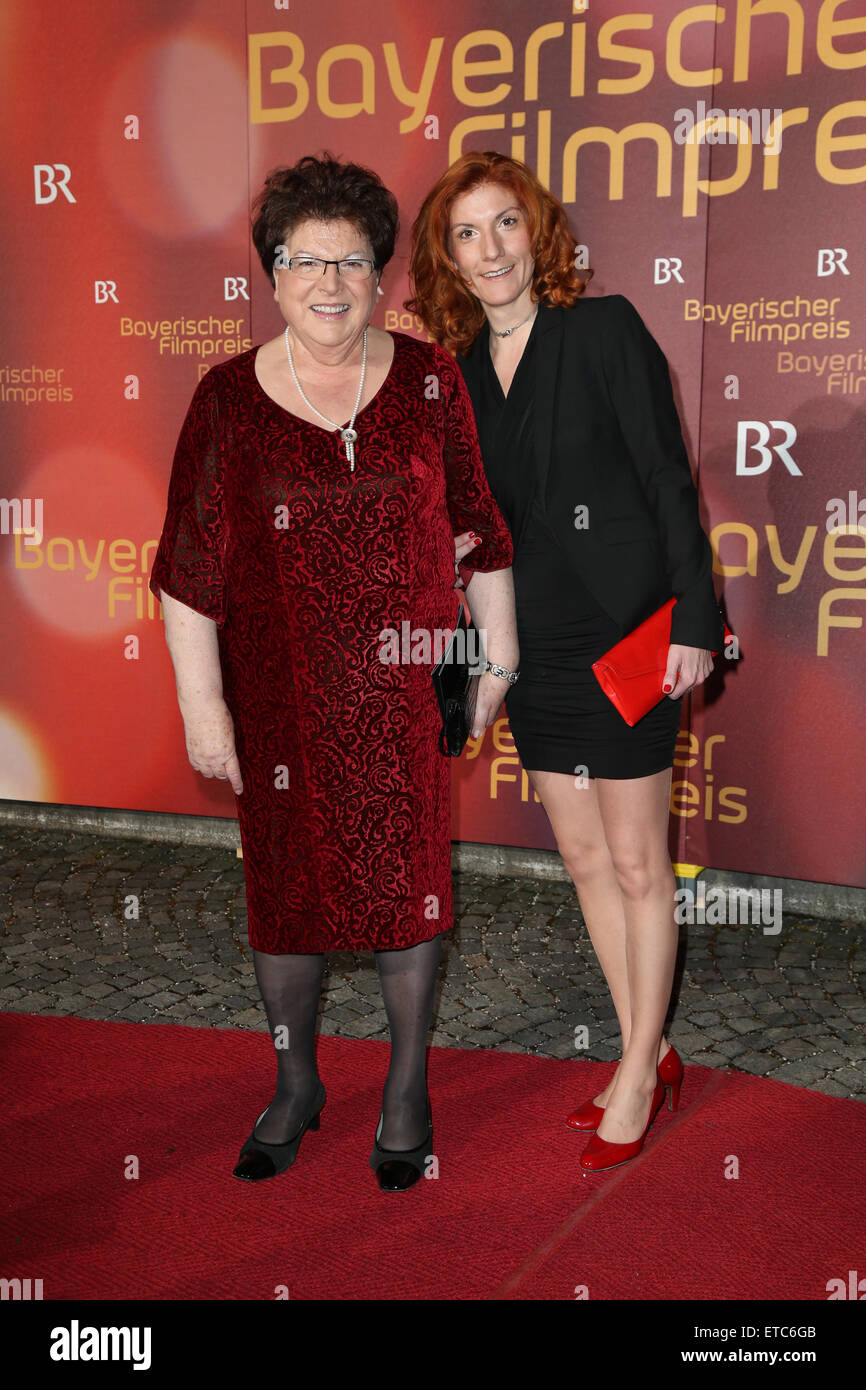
584, 453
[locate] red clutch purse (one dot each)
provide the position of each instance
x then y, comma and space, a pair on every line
632, 673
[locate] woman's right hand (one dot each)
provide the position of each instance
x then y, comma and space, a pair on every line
210, 741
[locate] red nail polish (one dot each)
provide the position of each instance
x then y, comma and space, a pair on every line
667, 688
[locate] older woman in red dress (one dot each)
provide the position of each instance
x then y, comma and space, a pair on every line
318, 483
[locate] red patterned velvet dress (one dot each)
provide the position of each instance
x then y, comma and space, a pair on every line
345, 813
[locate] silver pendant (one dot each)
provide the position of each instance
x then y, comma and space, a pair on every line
348, 436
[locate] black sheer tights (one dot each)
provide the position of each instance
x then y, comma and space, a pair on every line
290, 986
408, 981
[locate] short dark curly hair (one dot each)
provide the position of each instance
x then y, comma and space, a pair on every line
323, 189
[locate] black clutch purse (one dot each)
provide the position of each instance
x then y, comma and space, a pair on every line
455, 680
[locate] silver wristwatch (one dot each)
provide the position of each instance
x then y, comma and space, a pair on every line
510, 676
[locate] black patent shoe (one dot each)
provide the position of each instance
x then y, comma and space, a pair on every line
399, 1169
259, 1160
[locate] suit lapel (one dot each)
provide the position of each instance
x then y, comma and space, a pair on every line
546, 373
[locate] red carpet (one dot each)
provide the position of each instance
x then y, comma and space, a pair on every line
510, 1216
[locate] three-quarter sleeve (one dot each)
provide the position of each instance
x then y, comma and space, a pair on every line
471, 504
190, 558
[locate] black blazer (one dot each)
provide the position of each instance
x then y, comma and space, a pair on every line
608, 438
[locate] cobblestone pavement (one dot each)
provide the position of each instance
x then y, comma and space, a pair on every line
519, 972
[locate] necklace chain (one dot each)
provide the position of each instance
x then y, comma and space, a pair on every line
507, 332
349, 434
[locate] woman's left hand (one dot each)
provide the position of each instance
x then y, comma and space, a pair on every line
687, 668
463, 544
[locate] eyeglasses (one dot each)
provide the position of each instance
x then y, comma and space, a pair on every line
311, 267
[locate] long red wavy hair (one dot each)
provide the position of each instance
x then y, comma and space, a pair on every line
449, 311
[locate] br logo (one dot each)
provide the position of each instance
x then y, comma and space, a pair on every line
49, 180
759, 446
667, 268
831, 259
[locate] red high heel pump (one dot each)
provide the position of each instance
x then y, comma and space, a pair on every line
601, 1154
587, 1118
670, 1074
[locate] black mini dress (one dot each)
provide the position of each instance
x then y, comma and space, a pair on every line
560, 717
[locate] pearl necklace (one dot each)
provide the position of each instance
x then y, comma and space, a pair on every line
348, 435
507, 332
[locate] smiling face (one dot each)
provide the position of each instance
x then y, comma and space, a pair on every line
488, 237
329, 311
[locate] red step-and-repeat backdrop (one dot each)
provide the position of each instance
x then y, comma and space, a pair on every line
136, 137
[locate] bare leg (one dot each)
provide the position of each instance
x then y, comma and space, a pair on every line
576, 821
635, 815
